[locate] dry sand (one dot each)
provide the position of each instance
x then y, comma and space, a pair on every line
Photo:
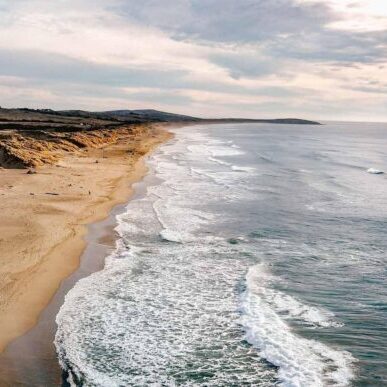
43, 218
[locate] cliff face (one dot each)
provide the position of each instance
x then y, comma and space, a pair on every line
26, 149
33, 138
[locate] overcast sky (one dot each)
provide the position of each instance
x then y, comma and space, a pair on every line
321, 59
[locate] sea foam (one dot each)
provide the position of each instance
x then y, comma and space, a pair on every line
375, 171
301, 362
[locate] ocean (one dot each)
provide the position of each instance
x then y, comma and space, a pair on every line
251, 255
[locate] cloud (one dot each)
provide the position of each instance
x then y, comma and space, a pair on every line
226, 21
334, 46
245, 64
283, 28
60, 68
213, 57
258, 38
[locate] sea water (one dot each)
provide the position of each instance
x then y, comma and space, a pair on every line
255, 256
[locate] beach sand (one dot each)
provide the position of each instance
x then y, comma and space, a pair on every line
31, 360
44, 218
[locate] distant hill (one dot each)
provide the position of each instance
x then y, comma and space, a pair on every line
149, 115
288, 121
156, 115
74, 120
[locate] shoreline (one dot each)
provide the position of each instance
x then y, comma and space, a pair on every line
40, 285
31, 359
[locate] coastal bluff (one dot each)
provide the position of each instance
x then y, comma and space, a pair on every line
31, 149
34, 138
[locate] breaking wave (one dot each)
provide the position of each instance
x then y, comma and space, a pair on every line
301, 362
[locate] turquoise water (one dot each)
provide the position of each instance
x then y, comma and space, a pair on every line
255, 257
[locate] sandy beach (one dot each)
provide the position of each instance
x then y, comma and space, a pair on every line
44, 217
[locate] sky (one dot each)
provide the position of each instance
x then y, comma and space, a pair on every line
316, 59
